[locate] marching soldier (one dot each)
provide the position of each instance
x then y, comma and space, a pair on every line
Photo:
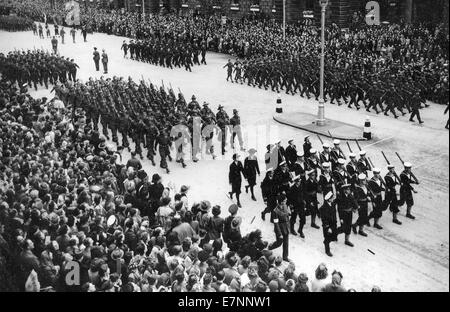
362, 196
73, 33
352, 169
297, 204
55, 45
346, 206
105, 61
329, 222
390, 196
340, 175
376, 185
325, 155
291, 153
235, 122
363, 163
125, 49
307, 146
299, 167
282, 177
96, 59
281, 216
229, 67
407, 178
269, 192
311, 189
164, 143
222, 122
62, 33
326, 181
416, 105
336, 153
313, 162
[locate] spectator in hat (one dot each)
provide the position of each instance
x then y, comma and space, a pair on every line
235, 178
183, 196
231, 232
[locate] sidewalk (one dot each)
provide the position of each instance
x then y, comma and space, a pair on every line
307, 122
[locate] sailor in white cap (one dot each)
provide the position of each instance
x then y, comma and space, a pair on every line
313, 161
291, 153
376, 185
352, 169
307, 147
407, 178
326, 181
329, 222
390, 196
362, 196
340, 175
296, 201
346, 206
299, 167
363, 163
282, 177
311, 188
325, 154
336, 153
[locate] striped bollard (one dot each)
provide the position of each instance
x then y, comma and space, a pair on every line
367, 132
279, 109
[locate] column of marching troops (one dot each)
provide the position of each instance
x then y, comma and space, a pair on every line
37, 67
168, 53
404, 92
347, 184
147, 115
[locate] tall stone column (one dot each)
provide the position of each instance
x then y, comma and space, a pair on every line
406, 8
226, 4
175, 5
293, 10
153, 6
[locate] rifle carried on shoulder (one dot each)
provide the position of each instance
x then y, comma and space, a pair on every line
320, 139
349, 148
395, 173
412, 174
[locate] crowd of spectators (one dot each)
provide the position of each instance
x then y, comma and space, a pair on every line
68, 200
15, 23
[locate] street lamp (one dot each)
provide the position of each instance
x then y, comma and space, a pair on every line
321, 114
143, 11
284, 20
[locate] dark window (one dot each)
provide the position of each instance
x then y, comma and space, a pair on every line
309, 4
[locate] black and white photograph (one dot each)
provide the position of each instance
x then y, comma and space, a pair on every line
224, 146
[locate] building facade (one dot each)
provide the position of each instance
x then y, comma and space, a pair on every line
341, 12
